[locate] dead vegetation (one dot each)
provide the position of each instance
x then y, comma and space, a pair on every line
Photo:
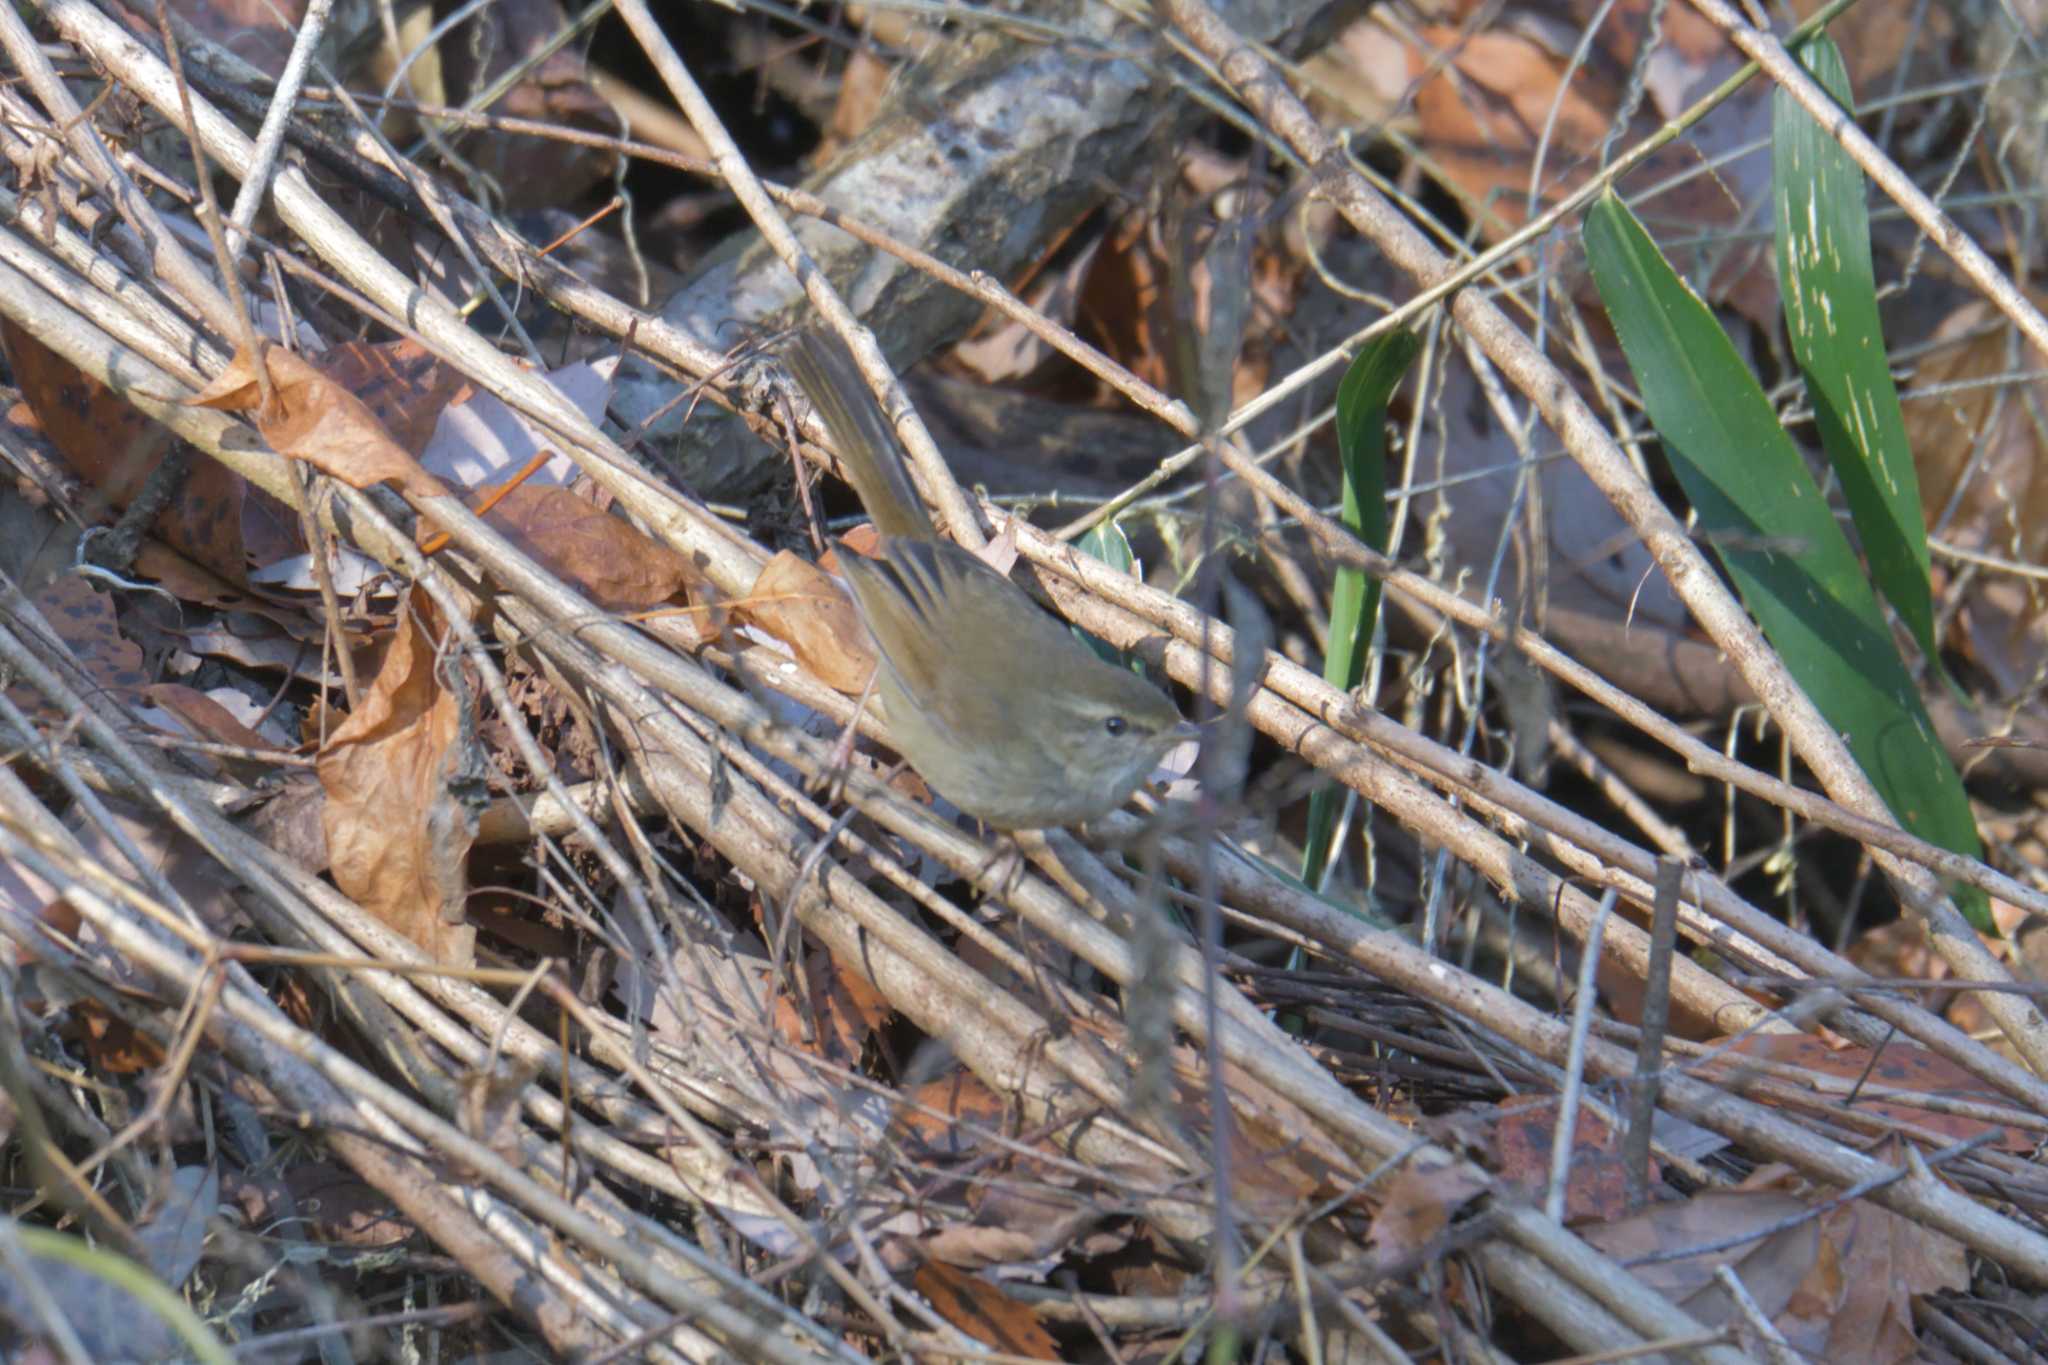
434, 927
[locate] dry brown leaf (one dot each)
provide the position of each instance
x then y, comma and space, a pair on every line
113, 447
258, 31
208, 719
799, 604
714, 1011
1962, 426
529, 172
336, 1205
83, 618
316, 420
1901, 949
109, 443
970, 1107
1899, 1066
1875, 36
397, 838
200, 881
617, 567
197, 585
1984, 481
1122, 296
845, 1010
1488, 101
984, 1312
1279, 1165
1596, 1186
111, 1045
490, 1112
1014, 1236
701, 619
1775, 1265
1885, 1263
1482, 114
862, 85
402, 382
1421, 1200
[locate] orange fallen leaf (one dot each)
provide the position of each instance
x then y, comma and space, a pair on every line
315, 419
404, 384
1596, 1184
397, 836
1899, 1066
617, 566
951, 1115
112, 1045
981, 1310
798, 603
845, 1010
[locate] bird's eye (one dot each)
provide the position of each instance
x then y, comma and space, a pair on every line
1116, 725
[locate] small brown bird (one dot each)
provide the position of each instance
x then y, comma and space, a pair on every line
996, 703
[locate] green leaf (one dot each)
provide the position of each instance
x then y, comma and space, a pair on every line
1760, 510
1108, 543
1831, 315
1362, 397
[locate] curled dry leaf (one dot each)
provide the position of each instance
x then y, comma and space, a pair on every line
617, 566
402, 382
1421, 1201
316, 420
801, 605
397, 836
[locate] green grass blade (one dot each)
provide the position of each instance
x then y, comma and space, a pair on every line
1761, 511
1831, 314
145, 1290
1362, 397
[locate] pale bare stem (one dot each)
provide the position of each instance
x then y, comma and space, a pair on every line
167, 257
270, 137
209, 218
648, 1148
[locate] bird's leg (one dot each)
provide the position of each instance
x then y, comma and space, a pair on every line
840, 759
1006, 854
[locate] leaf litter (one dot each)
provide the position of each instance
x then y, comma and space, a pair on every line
797, 1100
